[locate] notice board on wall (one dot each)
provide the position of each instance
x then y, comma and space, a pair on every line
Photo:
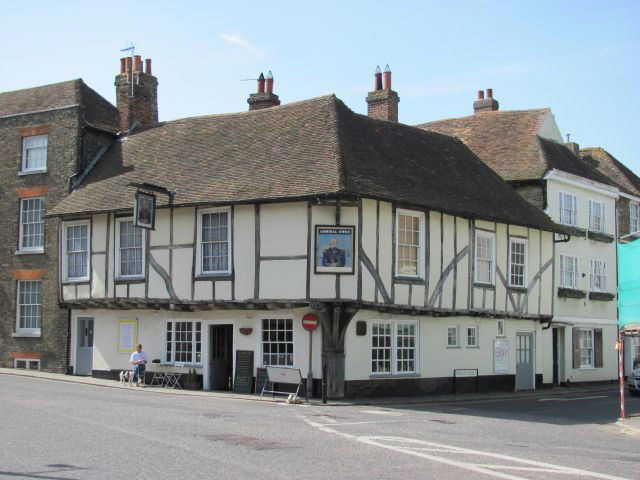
501, 349
243, 380
127, 336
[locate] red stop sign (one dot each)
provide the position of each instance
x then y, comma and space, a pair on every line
310, 322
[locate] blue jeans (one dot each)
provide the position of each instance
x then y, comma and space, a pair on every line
138, 373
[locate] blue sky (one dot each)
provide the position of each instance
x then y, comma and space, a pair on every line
578, 57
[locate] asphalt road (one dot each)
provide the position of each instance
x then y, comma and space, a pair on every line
54, 430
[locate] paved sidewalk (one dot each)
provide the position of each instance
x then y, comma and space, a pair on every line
382, 402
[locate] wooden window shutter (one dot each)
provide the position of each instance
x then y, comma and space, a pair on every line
575, 333
597, 348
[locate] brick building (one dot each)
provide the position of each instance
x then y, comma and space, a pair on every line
48, 134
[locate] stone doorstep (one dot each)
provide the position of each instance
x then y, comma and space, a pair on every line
390, 401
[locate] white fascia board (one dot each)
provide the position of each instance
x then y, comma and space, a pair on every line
580, 321
630, 197
581, 182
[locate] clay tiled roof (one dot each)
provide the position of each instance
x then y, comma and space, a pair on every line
509, 142
97, 110
300, 150
611, 167
504, 140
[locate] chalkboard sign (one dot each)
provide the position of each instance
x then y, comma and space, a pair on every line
244, 371
261, 379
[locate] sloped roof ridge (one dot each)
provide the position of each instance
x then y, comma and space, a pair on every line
54, 84
261, 111
496, 112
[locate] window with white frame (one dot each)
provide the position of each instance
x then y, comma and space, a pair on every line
634, 217
277, 342
214, 241
27, 363
76, 251
409, 249
568, 209
394, 347
184, 342
596, 216
32, 225
129, 249
34, 153
485, 257
518, 262
585, 344
472, 336
598, 276
29, 311
452, 336
568, 271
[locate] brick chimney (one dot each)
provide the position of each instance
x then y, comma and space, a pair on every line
382, 102
488, 104
136, 94
265, 97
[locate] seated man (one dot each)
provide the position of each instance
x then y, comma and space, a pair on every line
139, 360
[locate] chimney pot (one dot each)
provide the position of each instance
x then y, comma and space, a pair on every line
269, 78
128, 65
485, 103
261, 83
387, 77
137, 63
123, 64
147, 66
377, 83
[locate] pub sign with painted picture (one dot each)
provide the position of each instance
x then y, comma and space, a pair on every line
145, 210
334, 249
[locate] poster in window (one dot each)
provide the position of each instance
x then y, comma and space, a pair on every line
334, 249
501, 355
127, 336
145, 210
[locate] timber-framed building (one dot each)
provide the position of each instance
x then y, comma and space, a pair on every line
449, 268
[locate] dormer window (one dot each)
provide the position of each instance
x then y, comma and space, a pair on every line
34, 153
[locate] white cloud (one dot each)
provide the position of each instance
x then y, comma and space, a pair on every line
237, 40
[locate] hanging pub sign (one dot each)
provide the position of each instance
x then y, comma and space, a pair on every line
334, 248
145, 210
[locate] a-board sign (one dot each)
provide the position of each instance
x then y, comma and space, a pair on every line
243, 380
310, 322
261, 379
284, 375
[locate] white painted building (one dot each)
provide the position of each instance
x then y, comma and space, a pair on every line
442, 266
526, 149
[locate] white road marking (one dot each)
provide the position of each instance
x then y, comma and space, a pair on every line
570, 399
383, 412
415, 447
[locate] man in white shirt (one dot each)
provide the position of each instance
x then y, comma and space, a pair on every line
139, 361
